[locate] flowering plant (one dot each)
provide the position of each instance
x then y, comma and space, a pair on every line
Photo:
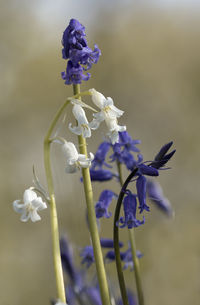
118, 149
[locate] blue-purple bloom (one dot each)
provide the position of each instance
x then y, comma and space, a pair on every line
128, 258
162, 157
109, 243
101, 175
93, 294
87, 254
100, 156
129, 220
80, 56
155, 194
101, 207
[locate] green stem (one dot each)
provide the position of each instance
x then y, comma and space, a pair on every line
53, 212
101, 274
136, 267
54, 225
131, 233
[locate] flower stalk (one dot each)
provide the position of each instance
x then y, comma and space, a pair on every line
101, 274
132, 243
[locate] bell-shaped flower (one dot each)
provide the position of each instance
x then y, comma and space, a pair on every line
109, 113
101, 207
75, 160
155, 194
30, 207
130, 205
87, 255
83, 126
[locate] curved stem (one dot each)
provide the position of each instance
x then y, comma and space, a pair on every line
116, 238
101, 274
131, 233
54, 225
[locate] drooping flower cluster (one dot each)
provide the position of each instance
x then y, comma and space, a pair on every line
123, 154
80, 56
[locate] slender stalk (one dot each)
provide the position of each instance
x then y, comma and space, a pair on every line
136, 267
101, 274
54, 225
131, 233
116, 237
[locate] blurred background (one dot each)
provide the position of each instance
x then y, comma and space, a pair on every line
150, 66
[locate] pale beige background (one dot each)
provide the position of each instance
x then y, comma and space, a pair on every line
150, 65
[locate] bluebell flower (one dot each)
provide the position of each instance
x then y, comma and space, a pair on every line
130, 206
87, 254
101, 207
141, 192
101, 175
100, 156
85, 57
131, 299
110, 256
109, 243
74, 74
73, 37
80, 56
162, 157
127, 142
128, 258
155, 194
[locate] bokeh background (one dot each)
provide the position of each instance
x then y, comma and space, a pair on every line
150, 65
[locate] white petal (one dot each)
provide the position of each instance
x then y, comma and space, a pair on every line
94, 124
70, 150
79, 114
86, 131
25, 216
85, 164
18, 207
76, 129
34, 216
115, 111
97, 98
39, 204
29, 195
114, 136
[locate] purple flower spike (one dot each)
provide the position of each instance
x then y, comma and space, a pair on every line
141, 192
129, 219
88, 256
108, 243
155, 194
80, 56
110, 256
101, 207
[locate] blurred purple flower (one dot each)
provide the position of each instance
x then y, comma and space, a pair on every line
105, 199
155, 194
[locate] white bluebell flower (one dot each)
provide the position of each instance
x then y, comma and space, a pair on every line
109, 113
30, 207
74, 160
83, 127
